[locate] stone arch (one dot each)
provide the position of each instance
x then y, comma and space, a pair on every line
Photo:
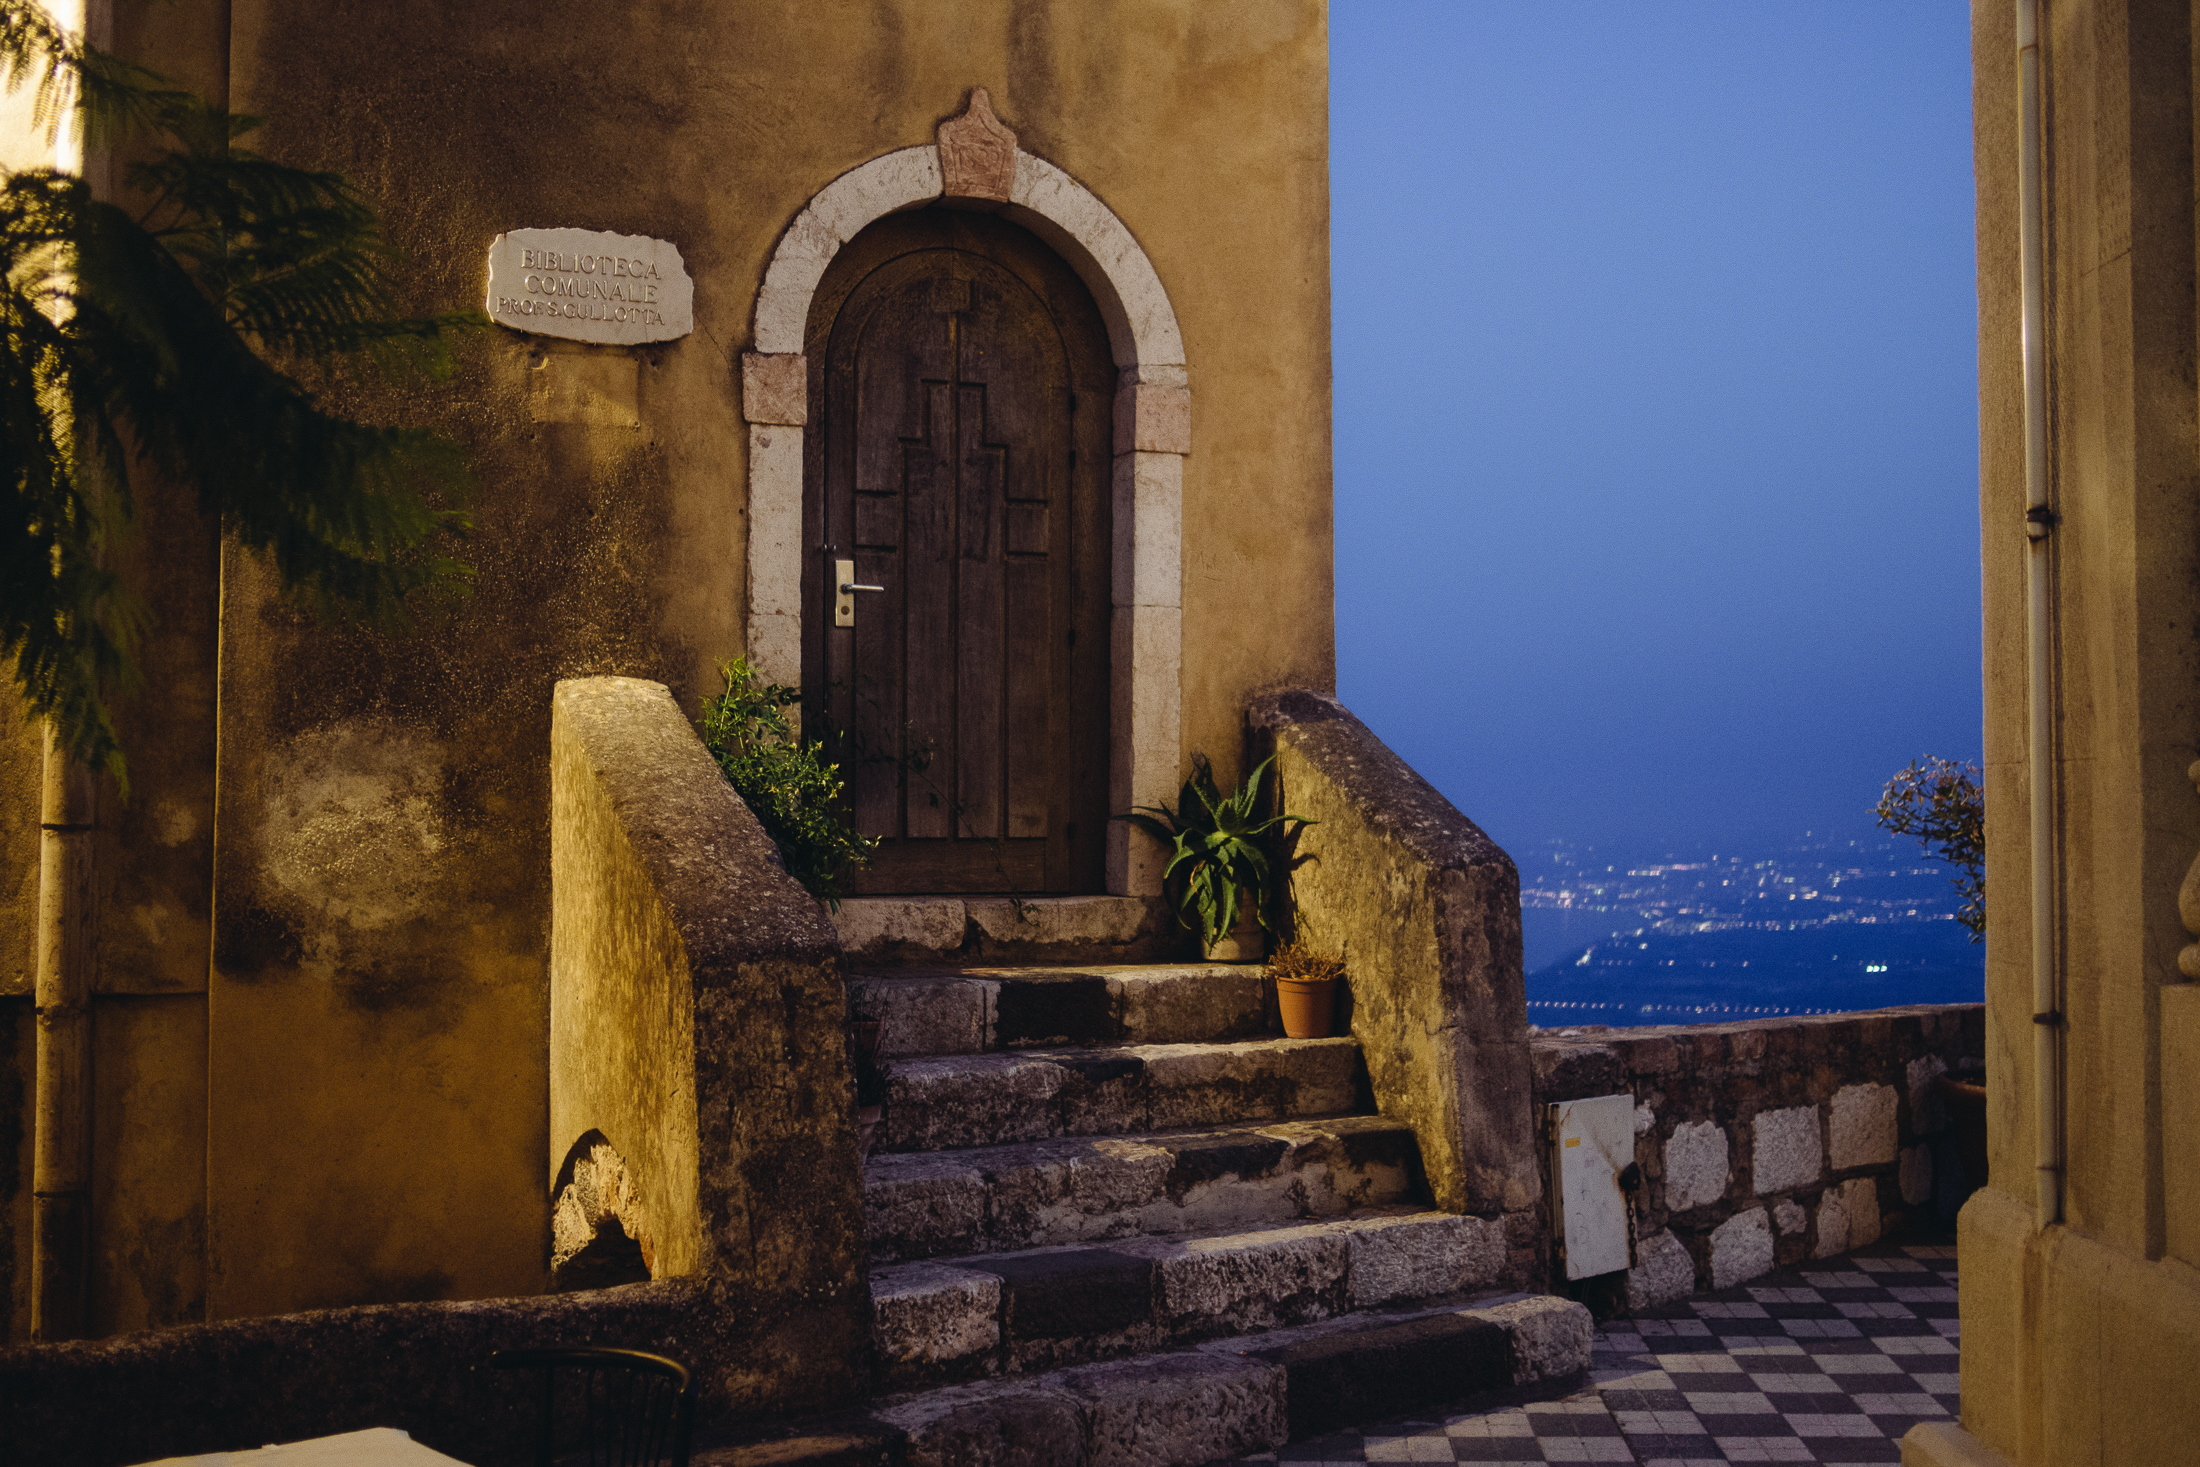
599, 1234
983, 168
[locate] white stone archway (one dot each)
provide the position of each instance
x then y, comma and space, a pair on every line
1152, 436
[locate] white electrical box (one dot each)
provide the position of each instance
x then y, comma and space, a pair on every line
1592, 1142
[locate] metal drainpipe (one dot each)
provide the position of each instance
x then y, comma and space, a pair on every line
61, 1158
2039, 522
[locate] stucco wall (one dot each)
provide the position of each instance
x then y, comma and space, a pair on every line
375, 892
2078, 1341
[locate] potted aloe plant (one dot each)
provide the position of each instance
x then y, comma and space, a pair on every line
1221, 866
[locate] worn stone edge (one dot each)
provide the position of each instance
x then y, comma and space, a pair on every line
1394, 798
1549, 1340
692, 832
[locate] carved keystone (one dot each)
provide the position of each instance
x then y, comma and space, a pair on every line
977, 153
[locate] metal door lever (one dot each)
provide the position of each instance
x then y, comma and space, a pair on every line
845, 587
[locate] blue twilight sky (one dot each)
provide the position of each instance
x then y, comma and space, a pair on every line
1656, 407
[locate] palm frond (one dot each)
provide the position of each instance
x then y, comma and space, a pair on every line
101, 97
189, 340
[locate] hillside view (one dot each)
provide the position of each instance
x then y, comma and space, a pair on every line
1820, 925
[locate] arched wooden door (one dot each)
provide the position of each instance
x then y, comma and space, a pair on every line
959, 457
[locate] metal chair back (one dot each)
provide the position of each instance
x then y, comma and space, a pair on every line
632, 1408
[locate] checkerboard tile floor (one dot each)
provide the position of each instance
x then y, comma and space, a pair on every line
1831, 1363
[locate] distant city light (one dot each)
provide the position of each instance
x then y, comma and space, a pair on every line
1705, 910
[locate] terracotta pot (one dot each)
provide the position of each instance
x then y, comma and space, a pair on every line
1966, 1103
1309, 1007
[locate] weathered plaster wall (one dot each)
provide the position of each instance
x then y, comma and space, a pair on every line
155, 850
1769, 1142
374, 893
22, 751
2079, 1341
149, 1131
381, 925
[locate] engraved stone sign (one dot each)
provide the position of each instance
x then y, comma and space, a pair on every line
586, 285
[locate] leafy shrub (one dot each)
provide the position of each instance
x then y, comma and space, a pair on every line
1942, 804
1219, 851
794, 793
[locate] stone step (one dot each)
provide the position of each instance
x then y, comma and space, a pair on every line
1092, 1189
1229, 1397
1045, 1309
1028, 1095
894, 930
941, 1011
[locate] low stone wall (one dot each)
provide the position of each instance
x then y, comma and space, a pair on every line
1769, 1142
698, 1061
1427, 911
421, 1368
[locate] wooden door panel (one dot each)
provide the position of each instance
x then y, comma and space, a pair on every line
1033, 747
955, 463
978, 630
924, 678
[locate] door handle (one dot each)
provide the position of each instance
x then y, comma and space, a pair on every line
845, 587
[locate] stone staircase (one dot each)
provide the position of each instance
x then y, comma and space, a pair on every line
1111, 1200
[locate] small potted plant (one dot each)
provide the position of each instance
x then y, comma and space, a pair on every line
1306, 980
1220, 869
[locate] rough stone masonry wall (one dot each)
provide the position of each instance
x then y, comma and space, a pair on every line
1766, 1143
697, 1008
1426, 911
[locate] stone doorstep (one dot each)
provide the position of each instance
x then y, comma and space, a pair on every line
985, 1099
950, 1011
944, 929
1043, 1309
1219, 1400
1084, 1189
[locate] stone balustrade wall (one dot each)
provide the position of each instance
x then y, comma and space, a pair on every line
1770, 1142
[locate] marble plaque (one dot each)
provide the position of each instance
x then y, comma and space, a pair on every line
585, 285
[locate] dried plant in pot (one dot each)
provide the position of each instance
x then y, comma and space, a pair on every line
1306, 979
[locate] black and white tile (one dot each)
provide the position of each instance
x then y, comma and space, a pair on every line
1828, 1363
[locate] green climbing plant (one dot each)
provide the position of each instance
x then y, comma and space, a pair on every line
795, 794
